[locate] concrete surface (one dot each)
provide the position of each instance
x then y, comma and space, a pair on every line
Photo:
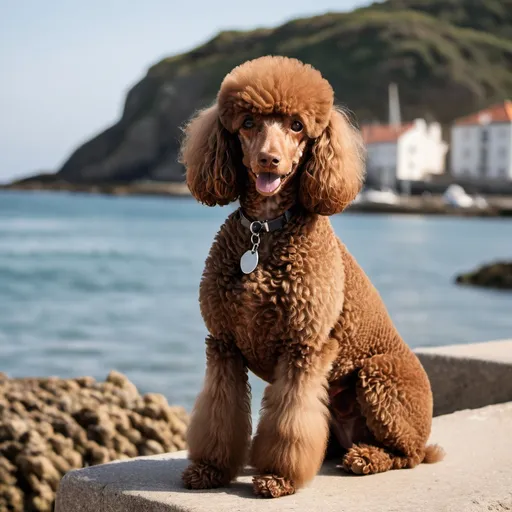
468, 376
476, 475
499, 351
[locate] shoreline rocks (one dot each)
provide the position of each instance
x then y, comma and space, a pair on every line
171, 189
496, 275
417, 205
49, 426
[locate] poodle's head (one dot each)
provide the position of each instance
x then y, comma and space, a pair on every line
274, 121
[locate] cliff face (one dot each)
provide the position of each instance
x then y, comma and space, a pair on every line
449, 57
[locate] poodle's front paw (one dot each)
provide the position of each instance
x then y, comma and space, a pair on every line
200, 475
272, 486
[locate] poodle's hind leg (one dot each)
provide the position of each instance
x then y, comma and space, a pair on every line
220, 428
395, 398
365, 459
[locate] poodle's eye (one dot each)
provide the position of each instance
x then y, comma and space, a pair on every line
297, 126
248, 123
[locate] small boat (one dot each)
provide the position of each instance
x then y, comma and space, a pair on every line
456, 196
374, 196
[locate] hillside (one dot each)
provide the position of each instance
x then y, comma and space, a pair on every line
493, 16
449, 57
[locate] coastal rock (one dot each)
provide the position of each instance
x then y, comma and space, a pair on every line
49, 426
495, 275
430, 49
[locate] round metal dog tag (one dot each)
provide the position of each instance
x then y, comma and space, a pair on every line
249, 261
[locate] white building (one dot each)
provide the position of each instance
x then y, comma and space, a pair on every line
410, 152
482, 144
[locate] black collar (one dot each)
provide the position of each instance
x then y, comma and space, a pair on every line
257, 226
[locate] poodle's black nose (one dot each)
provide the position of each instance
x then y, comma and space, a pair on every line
268, 160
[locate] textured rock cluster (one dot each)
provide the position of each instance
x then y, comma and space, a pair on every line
50, 426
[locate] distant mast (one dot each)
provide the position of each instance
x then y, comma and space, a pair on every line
395, 120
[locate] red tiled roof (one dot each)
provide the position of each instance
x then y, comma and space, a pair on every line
500, 113
380, 133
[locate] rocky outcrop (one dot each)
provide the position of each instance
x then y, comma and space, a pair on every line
495, 275
50, 426
448, 59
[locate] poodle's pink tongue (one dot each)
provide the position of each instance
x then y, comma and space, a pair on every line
267, 182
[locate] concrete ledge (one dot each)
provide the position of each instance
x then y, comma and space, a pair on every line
476, 475
469, 376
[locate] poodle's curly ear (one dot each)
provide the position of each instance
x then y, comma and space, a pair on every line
333, 173
208, 154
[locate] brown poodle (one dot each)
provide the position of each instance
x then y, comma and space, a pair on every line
283, 297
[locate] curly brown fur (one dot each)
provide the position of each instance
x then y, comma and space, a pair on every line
364, 459
219, 436
332, 177
292, 433
276, 85
307, 319
207, 153
272, 486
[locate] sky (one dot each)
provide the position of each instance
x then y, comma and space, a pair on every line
66, 65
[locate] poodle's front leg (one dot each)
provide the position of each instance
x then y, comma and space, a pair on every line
291, 439
220, 427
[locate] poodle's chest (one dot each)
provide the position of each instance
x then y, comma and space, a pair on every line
294, 293
270, 309
264, 317
264, 305
261, 311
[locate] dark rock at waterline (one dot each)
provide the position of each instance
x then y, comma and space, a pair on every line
50, 426
495, 275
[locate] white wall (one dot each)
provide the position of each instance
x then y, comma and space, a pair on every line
467, 147
500, 146
382, 162
510, 152
436, 149
465, 151
410, 152
421, 152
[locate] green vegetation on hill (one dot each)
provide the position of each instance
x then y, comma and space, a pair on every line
448, 57
493, 16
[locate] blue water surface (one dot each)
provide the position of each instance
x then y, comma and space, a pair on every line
91, 283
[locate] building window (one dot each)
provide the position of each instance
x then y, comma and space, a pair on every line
503, 173
484, 136
502, 152
466, 154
